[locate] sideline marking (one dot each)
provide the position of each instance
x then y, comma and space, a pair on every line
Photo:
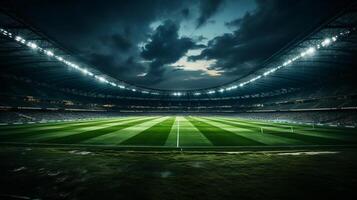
178, 133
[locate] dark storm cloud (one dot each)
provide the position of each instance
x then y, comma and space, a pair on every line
105, 34
182, 80
118, 41
261, 33
185, 12
165, 47
207, 9
127, 67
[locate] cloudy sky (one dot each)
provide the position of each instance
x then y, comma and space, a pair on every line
175, 44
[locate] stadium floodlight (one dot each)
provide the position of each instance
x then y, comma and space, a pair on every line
121, 86
231, 88
113, 84
287, 62
32, 45
197, 93
101, 79
177, 93
326, 42
59, 58
85, 71
311, 51
20, 39
211, 92
134, 90
48, 52
89, 73
221, 90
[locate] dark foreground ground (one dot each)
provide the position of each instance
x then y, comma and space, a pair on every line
70, 173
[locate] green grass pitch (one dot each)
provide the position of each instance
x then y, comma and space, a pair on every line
176, 132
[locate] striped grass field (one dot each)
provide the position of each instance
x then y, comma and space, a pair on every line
177, 132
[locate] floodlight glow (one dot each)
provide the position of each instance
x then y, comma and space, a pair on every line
49, 53
234, 87
177, 93
18, 38
326, 42
85, 71
32, 45
101, 79
231, 88
311, 50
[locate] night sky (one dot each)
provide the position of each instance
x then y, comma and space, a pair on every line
175, 44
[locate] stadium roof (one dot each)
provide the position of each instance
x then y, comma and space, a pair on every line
26, 52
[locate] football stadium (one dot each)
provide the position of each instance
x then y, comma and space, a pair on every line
205, 99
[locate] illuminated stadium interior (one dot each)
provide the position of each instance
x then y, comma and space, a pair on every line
278, 124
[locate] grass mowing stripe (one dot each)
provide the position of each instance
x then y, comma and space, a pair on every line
253, 133
235, 124
303, 127
153, 136
48, 124
54, 127
172, 137
32, 133
70, 131
190, 135
304, 136
117, 137
76, 138
257, 124
221, 137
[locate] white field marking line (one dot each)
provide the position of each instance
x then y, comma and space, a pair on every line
178, 133
168, 147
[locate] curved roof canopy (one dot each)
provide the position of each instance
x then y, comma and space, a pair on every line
25, 51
